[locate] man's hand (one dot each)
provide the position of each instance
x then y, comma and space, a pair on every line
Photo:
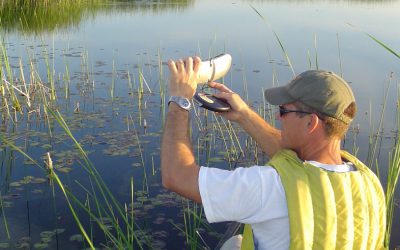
239, 109
183, 76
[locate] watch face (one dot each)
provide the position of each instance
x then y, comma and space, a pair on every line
181, 101
185, 102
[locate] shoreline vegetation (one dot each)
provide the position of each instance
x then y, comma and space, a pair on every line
39, 112
45, 16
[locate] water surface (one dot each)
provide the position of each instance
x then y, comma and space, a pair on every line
93, 48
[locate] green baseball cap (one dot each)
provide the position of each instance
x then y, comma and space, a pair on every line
321, 90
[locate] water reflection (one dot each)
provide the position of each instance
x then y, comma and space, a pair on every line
46, 16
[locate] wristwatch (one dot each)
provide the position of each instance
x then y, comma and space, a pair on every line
181, 101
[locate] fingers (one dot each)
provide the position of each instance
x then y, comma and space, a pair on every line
189, 64
196, 64
180, 65
224, 95
220, 87
172, 66
182, 80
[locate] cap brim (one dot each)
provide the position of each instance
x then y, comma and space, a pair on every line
278, 96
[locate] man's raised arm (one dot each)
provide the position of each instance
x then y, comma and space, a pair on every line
178, 166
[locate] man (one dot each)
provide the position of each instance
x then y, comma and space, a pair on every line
311, 195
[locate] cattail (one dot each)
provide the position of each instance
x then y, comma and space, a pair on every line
49, 162
77, 109
144, 123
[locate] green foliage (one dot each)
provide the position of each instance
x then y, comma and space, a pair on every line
32, 16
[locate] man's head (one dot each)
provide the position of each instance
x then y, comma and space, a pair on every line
321, 92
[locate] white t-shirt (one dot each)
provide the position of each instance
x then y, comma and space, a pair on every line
255, 196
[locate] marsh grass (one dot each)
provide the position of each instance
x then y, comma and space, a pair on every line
394, 158
376, 137
340, 56
105, 203
50, 74
393, 176
8, 76
32, 16
193, 220
99, 205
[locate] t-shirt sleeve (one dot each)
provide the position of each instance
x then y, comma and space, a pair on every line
246, 195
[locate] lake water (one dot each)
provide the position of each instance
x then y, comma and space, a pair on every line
100, 55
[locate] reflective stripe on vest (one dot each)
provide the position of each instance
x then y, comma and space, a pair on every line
329, 210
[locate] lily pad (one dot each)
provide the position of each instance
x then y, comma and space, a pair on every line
22, 245
76, 237
64, 170
46, 240
142, 199
47, 234
24, 239
40, 245
4, 245
29, 162
15, 184
7, 204
38, 180
37, 191
215, 159
59, 230
27, 179
46, 146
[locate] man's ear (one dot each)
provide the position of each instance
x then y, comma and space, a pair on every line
313, 123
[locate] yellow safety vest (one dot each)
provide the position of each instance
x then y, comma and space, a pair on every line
329, 210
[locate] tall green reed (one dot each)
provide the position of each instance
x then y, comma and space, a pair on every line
393, 177
145, 182
3, 212
114, 75
277, 39
67, 79
8, 76
375, 137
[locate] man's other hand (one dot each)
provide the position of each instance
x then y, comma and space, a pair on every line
183, 76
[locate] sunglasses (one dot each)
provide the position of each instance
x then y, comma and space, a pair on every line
283, 111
